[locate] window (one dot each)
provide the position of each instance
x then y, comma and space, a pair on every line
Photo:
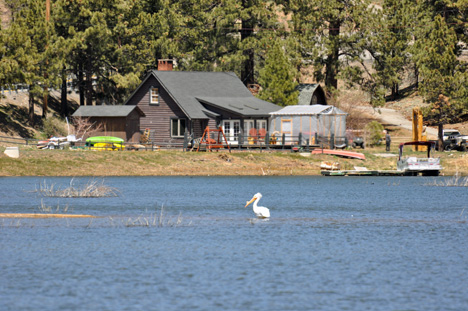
177, 127
248, 126
261, 124
154, 96
231, 129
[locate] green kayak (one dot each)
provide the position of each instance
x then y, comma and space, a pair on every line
104, 139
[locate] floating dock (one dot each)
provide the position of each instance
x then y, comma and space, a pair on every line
362, 173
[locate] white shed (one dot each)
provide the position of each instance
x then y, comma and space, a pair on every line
308, 122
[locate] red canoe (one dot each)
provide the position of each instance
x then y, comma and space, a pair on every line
340, 153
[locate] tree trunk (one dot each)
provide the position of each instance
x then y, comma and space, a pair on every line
332, 61
63, 97
395, 91
89, 87
247, 73
45, 102
416, 75
441, 137
31, 107
81, 84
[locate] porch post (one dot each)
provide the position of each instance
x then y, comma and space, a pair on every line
241, 134
185, 140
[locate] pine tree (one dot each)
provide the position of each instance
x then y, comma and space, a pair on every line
277, 78
328, 34
228, 35
26, 44
442, 75
455, 12
115, 42
387, 39
85, 30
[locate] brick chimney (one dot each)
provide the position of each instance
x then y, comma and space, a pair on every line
165, 64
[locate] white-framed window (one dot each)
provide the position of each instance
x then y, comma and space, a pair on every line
154, 96
248, 126
178, 127
261, 124
231, 129
286, 130
286, 126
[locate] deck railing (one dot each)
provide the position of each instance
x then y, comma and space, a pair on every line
282, 141
288, 142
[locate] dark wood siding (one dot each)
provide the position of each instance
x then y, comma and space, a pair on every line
132, 127
198, 127
126, 128
158, 117
110, 127
212, 124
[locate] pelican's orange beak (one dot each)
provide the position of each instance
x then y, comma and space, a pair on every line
253, 199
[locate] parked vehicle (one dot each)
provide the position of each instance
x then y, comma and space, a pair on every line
449, 132
453, 140
358, 142
413, 165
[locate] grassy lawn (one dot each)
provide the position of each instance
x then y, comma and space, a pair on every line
33, 162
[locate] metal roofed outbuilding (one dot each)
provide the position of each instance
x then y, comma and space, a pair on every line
309, 123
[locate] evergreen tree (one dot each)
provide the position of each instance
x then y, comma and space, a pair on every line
455, 12
387, 39
145, 32
26, 42
328, 34
229, 35
277, 78
442, 75
114, 43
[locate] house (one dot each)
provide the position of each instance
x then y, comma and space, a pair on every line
118, 121
308, 123
179, 102
311, 94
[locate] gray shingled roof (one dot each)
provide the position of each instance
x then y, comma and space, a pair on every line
305, 93
220, 89
249, 106
105, 111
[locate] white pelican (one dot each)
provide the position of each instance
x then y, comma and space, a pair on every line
260, 211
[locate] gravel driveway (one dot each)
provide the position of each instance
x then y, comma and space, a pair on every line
392, 117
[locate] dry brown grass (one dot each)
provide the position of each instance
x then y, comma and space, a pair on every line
92, 189
455, 181
34, 162
353, 102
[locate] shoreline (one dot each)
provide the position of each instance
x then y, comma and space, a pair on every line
83, 163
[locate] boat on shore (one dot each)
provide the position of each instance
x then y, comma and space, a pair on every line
103, 143
340, 153
412, 165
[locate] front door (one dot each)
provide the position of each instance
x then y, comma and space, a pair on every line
231, 129
286, 129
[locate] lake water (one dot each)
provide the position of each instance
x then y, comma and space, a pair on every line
332, 243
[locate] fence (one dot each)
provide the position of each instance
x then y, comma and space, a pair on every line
285, 141
18, 141
282, 142
20, 88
